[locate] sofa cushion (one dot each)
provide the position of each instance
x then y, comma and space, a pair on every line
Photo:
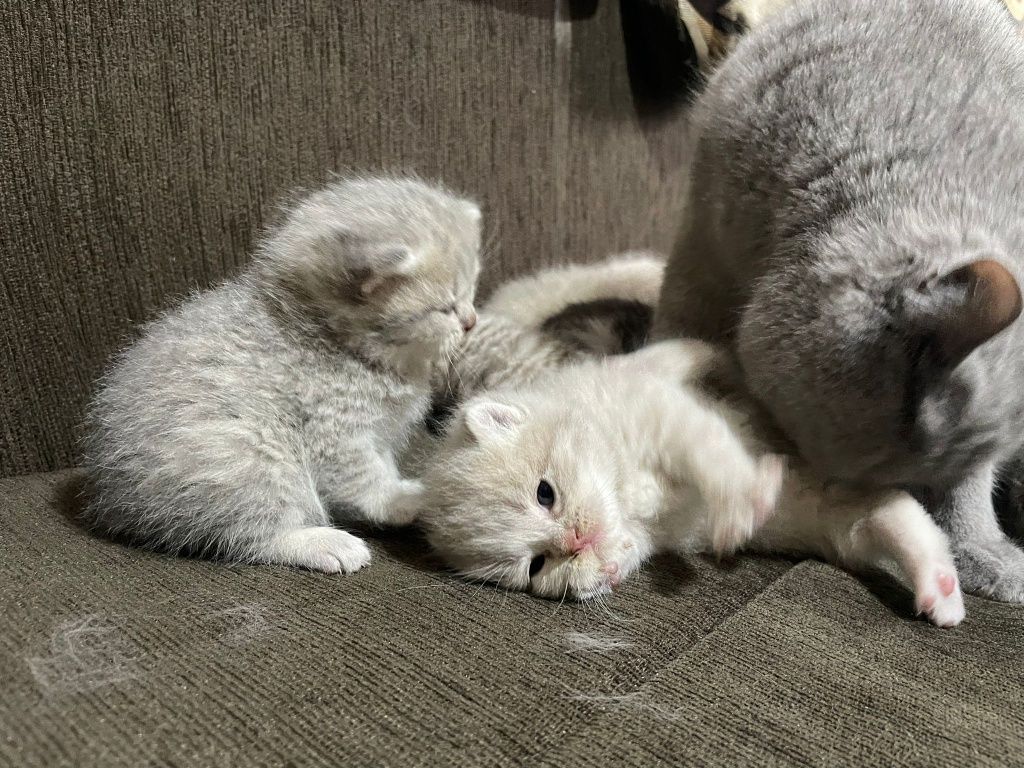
114, 656
822, 669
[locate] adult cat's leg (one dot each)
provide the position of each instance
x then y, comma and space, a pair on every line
898, 530
694, 301
990, 564
361, 476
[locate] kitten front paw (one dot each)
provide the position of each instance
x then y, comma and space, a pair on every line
405, 506
318, 548
941, 599
733, 527
992, 569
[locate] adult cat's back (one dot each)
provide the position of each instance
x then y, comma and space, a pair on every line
853, 228
847, 109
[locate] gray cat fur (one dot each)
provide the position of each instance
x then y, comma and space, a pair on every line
242, 422
850, 156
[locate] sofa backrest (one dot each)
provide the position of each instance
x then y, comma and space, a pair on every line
145, 143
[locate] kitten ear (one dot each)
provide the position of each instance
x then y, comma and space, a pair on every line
381, 262
969, 306
490, 420
370, 262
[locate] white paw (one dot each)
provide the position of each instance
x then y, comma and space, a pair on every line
732, 528
406, 504
319, 548
941, 599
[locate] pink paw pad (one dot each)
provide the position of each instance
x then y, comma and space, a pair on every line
941, 599
947, 583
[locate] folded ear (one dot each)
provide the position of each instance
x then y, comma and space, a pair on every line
489, 420
370, 262
384, 261
967, 307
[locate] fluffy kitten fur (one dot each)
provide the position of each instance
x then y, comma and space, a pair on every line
854, 229
244, 420
635, 461
533, 300
528, 324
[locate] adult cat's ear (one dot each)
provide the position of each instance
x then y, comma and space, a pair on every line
490, 420
967, 307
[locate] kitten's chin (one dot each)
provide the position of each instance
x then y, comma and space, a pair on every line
593, 593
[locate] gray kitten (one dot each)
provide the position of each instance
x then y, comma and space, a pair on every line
242, 420
855, 229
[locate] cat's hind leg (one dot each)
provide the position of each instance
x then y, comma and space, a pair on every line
261, 506
898, 530
293, 528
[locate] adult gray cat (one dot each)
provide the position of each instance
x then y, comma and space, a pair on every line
855, 229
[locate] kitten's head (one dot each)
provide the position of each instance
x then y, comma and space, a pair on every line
879, 369
521, 494
389, 262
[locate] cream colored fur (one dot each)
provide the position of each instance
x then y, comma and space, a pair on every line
530, 300
640, 461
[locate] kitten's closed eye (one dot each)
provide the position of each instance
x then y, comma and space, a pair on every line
545, 494
536, 565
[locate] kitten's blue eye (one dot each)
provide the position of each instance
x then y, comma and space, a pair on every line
536, 565
545, 494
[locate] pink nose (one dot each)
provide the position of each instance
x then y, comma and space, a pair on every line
469, 321
577, 541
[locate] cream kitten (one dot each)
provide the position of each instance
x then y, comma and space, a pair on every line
245, 421
565, 487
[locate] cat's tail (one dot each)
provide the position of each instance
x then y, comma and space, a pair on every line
542, 321
602, 308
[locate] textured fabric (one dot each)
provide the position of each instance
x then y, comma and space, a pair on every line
821, 670
111, 656
145, 143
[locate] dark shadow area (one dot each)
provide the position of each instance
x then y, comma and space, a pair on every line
603, 326
661, 60
1007, 498
890, 593
669, 573
407, 545
69, 498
